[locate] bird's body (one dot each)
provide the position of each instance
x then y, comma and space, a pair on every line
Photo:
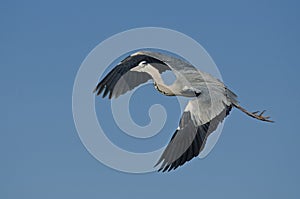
210, 100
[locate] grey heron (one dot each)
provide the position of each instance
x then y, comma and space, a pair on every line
210, 100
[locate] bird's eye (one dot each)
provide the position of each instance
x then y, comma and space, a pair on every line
142, 63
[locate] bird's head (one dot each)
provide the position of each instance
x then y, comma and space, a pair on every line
143, 66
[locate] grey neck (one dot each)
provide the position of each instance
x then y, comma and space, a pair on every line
158, 82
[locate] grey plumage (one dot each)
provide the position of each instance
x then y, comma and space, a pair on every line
210, 100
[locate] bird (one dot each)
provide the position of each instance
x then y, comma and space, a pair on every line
210, 101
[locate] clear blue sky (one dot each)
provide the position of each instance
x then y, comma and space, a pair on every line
42, 44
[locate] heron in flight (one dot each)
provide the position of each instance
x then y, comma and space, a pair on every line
210, 100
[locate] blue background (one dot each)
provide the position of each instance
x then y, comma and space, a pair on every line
42, 44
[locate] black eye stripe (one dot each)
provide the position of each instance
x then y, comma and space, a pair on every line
136, 59
143, 62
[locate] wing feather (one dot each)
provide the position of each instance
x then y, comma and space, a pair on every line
120, 79
190, 139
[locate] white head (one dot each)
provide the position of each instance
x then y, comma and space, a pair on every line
143, 66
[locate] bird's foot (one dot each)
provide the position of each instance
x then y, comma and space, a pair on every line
260, 116
257, 114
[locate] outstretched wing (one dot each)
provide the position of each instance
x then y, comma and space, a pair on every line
120, 79
201, 117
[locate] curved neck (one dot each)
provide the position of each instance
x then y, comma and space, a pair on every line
158, 81
154, 73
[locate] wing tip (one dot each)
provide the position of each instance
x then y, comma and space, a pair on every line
167, 167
